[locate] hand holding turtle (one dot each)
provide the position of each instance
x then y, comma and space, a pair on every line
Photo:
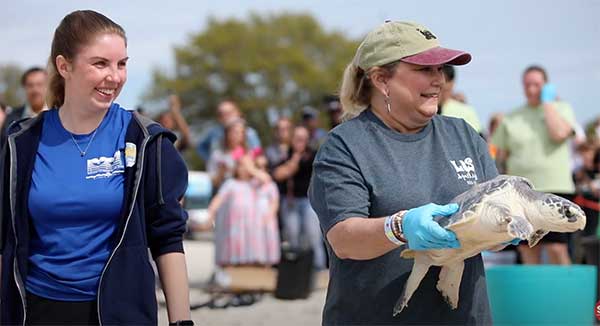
422, 232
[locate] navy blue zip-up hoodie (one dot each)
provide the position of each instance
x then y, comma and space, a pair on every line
150, 218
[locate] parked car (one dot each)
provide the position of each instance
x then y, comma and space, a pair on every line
197, 198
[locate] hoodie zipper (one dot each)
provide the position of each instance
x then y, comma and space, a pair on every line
134, 198
16, 273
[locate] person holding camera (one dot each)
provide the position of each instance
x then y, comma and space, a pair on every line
300, 222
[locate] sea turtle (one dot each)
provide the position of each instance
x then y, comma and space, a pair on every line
490, 214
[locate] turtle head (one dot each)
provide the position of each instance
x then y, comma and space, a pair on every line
560, 215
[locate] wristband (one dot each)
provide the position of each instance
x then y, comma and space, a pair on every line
182, 323
389, 233
397, 225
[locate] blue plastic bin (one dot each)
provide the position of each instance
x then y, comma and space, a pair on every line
542, 294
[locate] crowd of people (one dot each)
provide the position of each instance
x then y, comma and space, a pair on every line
331, 192
261, 194
524, 148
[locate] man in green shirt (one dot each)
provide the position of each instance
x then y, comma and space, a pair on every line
453, 108
532, 140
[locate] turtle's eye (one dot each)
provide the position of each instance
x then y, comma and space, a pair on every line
571, 213
568, 212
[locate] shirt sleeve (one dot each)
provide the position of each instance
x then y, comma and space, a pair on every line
204, 144
252, 138
165, 218
338, 189
500, 136
3, 187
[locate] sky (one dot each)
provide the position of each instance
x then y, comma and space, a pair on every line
504, 37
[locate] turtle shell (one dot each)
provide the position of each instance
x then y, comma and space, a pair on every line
470, 200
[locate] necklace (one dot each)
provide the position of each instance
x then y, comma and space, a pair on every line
86, 147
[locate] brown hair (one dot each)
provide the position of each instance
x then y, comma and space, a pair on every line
537, 68
76, 30
357, 88
587, 146
29, 72
228, 128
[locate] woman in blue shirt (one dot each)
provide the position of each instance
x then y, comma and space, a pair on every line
86, 193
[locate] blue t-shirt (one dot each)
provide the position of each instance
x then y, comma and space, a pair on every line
75, 203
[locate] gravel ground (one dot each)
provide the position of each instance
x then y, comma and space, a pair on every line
267, 311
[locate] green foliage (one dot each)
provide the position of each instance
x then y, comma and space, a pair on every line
281, 61
590, 130
10, 84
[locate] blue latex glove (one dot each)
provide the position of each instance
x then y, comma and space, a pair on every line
422, 232
514, 242
548, 93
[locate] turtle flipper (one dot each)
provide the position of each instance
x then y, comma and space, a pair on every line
535, 237
449, 282
519, 227
407, 254
499, 215
420, 268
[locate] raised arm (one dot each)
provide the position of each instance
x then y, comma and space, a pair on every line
182, 125
287, 169
559, 129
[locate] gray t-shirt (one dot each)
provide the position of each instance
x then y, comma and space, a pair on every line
365, 169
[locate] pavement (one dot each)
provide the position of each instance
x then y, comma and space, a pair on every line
267, 311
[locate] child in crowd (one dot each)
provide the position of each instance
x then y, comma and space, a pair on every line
243, 213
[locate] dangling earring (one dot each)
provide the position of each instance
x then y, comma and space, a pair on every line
387, 103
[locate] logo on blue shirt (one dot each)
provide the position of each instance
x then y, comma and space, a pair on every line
105, 167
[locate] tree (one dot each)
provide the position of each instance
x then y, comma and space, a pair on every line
280, 61
10, 84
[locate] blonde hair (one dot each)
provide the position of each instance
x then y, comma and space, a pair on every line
76, 30
357, 89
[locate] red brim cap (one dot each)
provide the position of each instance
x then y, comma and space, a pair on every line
438, 56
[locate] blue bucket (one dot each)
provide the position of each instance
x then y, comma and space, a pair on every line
542, 294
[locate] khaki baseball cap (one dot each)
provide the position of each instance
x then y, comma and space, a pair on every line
406, 41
